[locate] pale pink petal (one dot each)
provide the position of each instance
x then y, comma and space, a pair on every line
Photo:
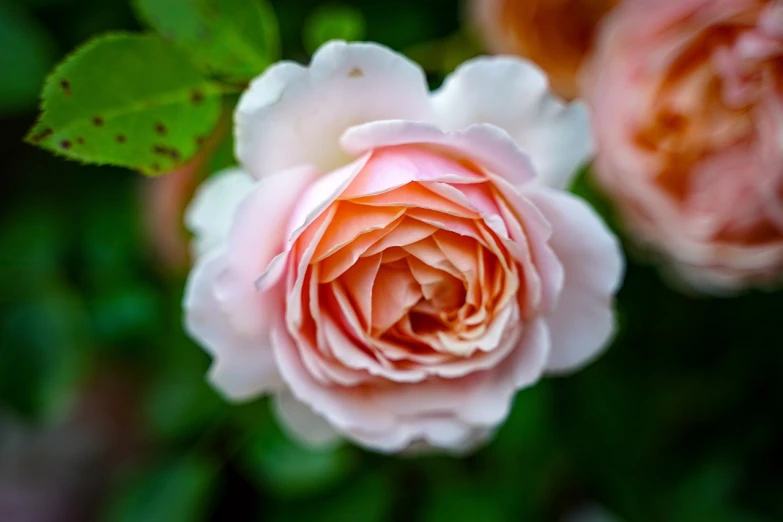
486, 146
417, 195
323, 192
224, 311
409, 164
389, 418
298, 267
583, 322
243, 365
300, 421
457, 225
210, 214
292, 115
530, 230
512, 93
345, 407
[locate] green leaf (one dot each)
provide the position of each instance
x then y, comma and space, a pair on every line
332, 22
289, 469
25, 57
175, 491
181, 402
456, 501
231, 39
127, 100
368, 497
44, 340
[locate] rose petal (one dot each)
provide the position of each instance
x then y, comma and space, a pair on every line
210, 215
393, 294
358, 283
300, 421
583, 321
291, 115
417, 195
484, 145
351, 221
512, 93
409, 231
338, 262
243, 365
223, 309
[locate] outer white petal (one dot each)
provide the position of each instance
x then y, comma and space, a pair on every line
211, 212
292, 115
224, 311
243, 365
514, 95
303, 423
583, 322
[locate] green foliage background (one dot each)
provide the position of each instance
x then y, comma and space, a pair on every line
105, 415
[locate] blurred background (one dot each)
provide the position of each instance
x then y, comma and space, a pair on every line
105, 414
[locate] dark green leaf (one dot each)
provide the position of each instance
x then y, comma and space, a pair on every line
181, 401
332, 22
368, 497
176, 491
132, 101
43, 339
232, 39
25, 58
290, 469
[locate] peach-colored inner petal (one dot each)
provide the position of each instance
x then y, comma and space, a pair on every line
410, 274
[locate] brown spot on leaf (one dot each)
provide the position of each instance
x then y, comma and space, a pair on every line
80, 140
97, 121
65, 144
200, 140
160, 129
196, 97
45, 133
66, 86
163, 150
155, 167
356, 72
121, 138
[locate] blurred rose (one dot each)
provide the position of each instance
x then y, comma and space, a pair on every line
556, 34
388, 265
687, 97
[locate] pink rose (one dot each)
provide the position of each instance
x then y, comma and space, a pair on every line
687, 99
388, 261
556, 35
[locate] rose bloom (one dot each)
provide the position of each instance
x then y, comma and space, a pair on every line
556, 34
391, 265
687, 99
